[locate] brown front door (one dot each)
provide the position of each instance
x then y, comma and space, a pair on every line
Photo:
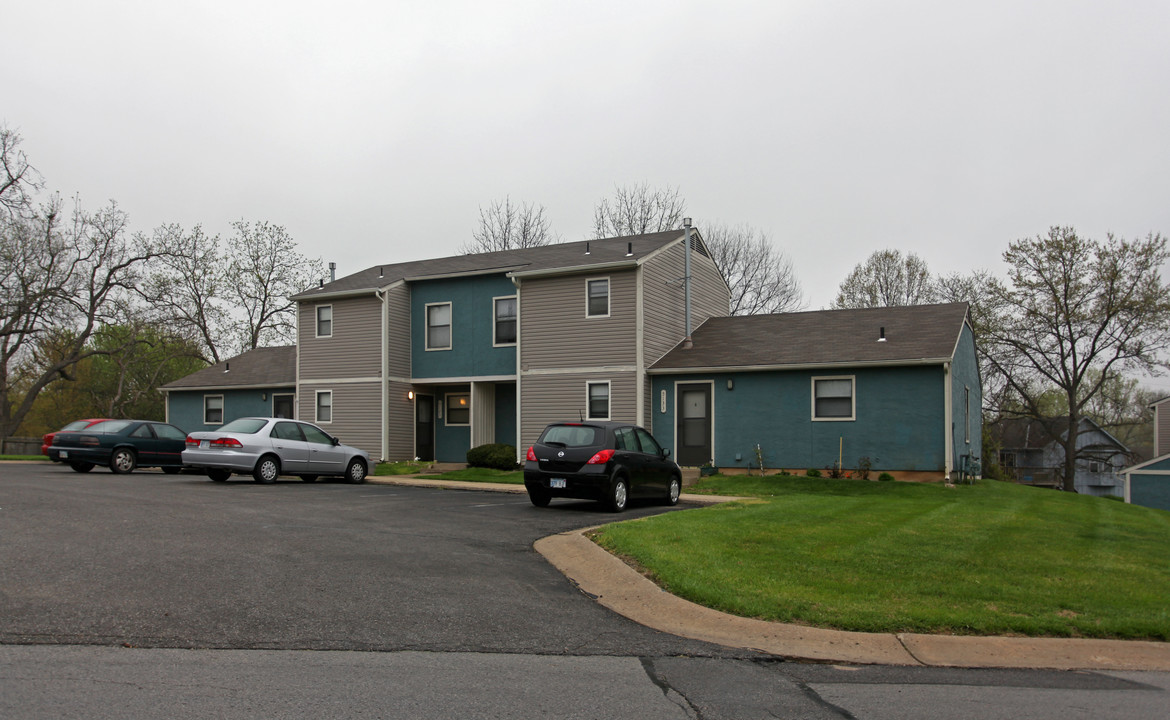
424, 427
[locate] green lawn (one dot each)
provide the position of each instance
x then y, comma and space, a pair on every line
400, 468
990, 558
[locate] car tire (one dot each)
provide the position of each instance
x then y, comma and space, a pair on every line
355, 471
619, 494
267, 469
171, 469
123, 461
673, 490
309, 478
80, 466
539, 496
219, 475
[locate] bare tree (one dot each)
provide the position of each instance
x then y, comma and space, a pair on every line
1076, 316
187, 286
504, 226
65, 277
886, 279
265, 270
19, 180
637, 210
760, 276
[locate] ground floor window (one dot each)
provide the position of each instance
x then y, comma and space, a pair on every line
833, 398
598, 400
213, 409
459, 409
324, 406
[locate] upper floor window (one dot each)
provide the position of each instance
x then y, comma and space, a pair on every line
833, 398
324, 321
439, 326
505, 321
213, 409
598, 400
597, 297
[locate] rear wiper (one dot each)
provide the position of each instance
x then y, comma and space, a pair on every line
554, 442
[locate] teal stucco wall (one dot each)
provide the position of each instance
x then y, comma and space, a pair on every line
472, 312
185, 408
899, 425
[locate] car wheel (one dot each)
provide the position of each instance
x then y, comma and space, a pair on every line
81, 467
171, 469
267, 470
619, 494
122, 461
219, 475
539, 496
673, 490
355, 472
309, 478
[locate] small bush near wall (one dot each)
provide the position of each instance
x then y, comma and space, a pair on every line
885, 477
813, 472
495, 455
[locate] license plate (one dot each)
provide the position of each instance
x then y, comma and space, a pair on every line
556, 482
64, 453
203, 444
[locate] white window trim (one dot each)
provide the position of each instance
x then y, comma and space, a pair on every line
272, 403
608, 296
608, 399
427, 327
495, 316
445, 407
852, 398
967, 414
222, 409
317, 407
317, 320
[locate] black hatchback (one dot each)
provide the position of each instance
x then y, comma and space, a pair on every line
611, 462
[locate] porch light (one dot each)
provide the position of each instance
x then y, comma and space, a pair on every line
410, 394
730, 384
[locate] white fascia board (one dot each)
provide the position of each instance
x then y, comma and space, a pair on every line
798, 366
204, 388
346, 293
465, 273
462, 380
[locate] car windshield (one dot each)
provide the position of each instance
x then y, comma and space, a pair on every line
573, 436
109, 426
248, 426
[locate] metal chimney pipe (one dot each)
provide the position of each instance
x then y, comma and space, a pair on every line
687, 342
332, 271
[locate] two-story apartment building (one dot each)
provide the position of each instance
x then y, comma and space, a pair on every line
430, 358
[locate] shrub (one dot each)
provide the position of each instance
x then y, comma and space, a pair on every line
834, 471
498, 456
885, 477
864, 465
813, 472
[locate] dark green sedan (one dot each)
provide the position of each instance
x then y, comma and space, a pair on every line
122, 446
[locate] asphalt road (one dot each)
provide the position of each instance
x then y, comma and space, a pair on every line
155, 595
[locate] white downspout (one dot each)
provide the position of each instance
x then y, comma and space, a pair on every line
520, 451
948, 422
384, 433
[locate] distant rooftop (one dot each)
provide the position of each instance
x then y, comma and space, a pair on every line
262, 367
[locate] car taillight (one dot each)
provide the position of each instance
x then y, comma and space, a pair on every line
89, 440
227, 442
601, 458
531, 454
192, 442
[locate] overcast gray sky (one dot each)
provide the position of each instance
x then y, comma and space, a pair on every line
374, 131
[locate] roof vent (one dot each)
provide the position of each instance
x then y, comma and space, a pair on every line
227, 367
882, 335
586, 248
629, 249
332, 271
322, 282
380, 273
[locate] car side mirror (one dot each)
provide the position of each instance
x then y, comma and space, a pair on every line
665, 452
336, 441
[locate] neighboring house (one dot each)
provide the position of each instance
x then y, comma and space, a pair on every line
259, 382
897, 385
1148, 483
1035, 456
430, 358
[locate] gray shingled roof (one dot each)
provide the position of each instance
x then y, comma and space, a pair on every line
825, 337
546, 258
262, 367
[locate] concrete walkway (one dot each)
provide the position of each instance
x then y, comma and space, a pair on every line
622, 589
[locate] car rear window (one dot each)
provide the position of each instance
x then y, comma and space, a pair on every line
76, 425
109, 426
247, 426
572, 435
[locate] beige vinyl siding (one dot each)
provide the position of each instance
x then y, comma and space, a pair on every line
664, 314
356, 412
398, 332
354, 350
399, 422
1162, 423
553, 398
554, 332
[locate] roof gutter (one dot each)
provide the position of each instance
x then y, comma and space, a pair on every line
798, 366
576, 269
345, 293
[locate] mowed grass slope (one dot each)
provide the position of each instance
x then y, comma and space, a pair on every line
990, 558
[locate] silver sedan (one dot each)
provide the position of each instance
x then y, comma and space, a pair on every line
269, 447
